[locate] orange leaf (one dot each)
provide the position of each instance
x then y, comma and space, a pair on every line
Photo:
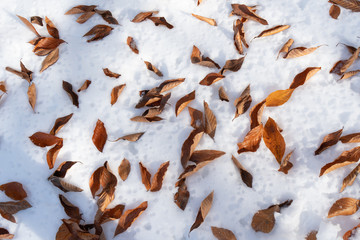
278, 97
274, 140
328, 141
100, 136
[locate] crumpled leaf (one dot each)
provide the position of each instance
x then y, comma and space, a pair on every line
285, 48
203, 211
41, 139
205, 19
29, 25
243, 102
32, 95
304, 76
245, 12
211, 78
124, 169
132, 45
272, 31
115, 93
109, 214
222, 233
107, 16
300, 51
334, 11
353, 5
85, 86
233, 65
286, 165
181, 197
100, 31
246, 177
328, 141
273, 139
129, 216
196, 118
349, 179
278, 97
252, 140
152, 68
197, 58
14, 190
239, 36
71, 210
161, 21
183, 102
223, 95
142, 16
256, 114
344, 206
210, 121
109, 73
189, 145
100, 136
50, 59
59, 123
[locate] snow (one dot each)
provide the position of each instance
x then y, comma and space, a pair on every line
321, 106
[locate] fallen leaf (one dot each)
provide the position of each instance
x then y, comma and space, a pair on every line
285, 165
256, 114
349, 74
245, 12
337, 66
25, 73
344, 207
32, 95
71, 210
4, 234
286, 47
252, 140
45, 45
196, 118
50, 59
302, 77
129, 216
64, 186
183, 102
345, 158
311, 235
211, 78
142, 16
69, 89
351, 49
203, 211
351, 60
37, 20
161, 21
353, 5
124, 169
350, 233
81, 9
210, 121
246, 177
199, 1
115, 93
3, 86
223, 95
70, 229
52, 154
29, 25
222, 233
158, 178
243, 102
273, 139
7, 209
328, 141
233, 65
278, 97
131, 137
84, 17
100, 136
239, 36
109, 73
111, 214
132, 45
351, 138
14, 190
300, 51
197, 58
59, 123
349, 179
107, 16
272, 31
146, 119
205, 19
100, 31
85, 85
181, 197
41, 139
51, 28
170, 84
334, 11
191, 169
152, 68
189, 145
205, 155
145, 176
63, 168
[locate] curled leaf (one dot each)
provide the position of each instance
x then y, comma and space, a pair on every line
158, 178
44, 139
205, 19
302, 77
272, 31
81, 9
349, 179
107, 16
205, 155
115, 93
71, 210
203, 211
196, 118
69, 89
131, 137
181, 197
170, 84
350, 233
4, 234
99, 31
256, 114
14, 190
85, 86
145, 176
124, 169
353, 5
285, 48
189, 145
252, 140
243, 102
152, 68
29, 25
246, 177
328, 141
239, 36
344, 206
63, 186
100, 136
183, 102
146, 119
278, 97
84, 17
129, 216
211, 78
197, 58
37, 20
350, 61
52, 154
63, 168
59, 123
132, 45
233, 65
274, 140
223, 95
349, 74
286, 165
51, 28
109, 73
300, 51
161, 21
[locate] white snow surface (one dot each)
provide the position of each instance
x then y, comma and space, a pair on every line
315, 109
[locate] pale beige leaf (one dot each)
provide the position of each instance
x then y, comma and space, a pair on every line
300, 51
285, 48
205, 19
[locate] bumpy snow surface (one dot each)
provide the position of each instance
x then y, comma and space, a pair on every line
321, 106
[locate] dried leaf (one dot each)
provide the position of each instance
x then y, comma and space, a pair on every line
145, 176
124, 169
350, 61
210, 121
25, 73
285, 165
203, 211
52, 154
197, 58
300, 51
142, 16
189, 145
222, 233
349, 74
243, 103
129, 216
233, 65
196, 118
273, 139
256, 114
45, 45
349, 233
146, 119
4, 234
191, 169
181, 197
100, 136
353, 5
84, 17
29, 25
107, 16
111, 214
344, 206
337, 66
161, 21
351, 49
131, 137
109, 73
205, 19
64, 186
252, 140
246, 177
14, 190
211, 78
7, 209
152, 68
115, 93
223, 95
272, 31
100, 31
85, 86
32, 95
50, 59
239, 36
278, 97
81, 9
132, 45
183, 102
3, 86
205, 155
286, 47
170, 84
349, 179
245, 12
158, 178
51, 28
71, 210
62, 169
328, 141
37, 20
351, 138
59, 123
302, 77
44, 139
345, 158
334, 11
311, 235
69, 89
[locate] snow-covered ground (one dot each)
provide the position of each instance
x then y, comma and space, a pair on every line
321, 106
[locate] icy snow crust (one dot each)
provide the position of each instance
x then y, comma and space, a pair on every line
321, 106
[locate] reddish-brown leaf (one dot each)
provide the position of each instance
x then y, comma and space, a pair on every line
132, 45
223, 95
152, 68
14, 190
161, 21
203, 211
285, 165
129, 216
252, 140
302, 77
84, 17
328, 141
285, 48
197, 58
111, 214
29, 25
278, 97
246, 12
71, 210
256, 114
100, 136
45, 45
349, 233
181, 197
115, 93
222, 233
189, 145
246, 177
50, 59
32, 96
69, 90
36, 20
109, 73
210, 121
353, 5
3, 86
124, 169
183, 102
349, 179
334, 11
52, 154
85, 86
145, 176
44, 139
10, 208
243, 103
344, 206
63, 168
205, 155
351, 138
107, 16
64, 186
142, 16
312, 235
211, 78
100, 31
158, 178
233, 65
59, 123
274, 140
81, 9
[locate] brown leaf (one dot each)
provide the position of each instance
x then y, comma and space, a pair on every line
246, 177
29, 25
124, 169
351, 49
349, 179
181, 197
107, 16
349, 233
273, 139
115, 93
69, 89
63, 168
337, 66
32, 95
111, 214
14, 190
146, 119
129, 216
132, 45
51, 28
81, 9
222, 233
345, 158
85, 86
4, 234
328, 141
170, 84
131, 137
71, 210
191, 169
353, 5
285, 165
50, 59
25, 73
349, 74
59, 123
145, 176
351, 138
344, 206
14, 207
109, 73
239, 36
100, 136
205, 19
243, 103
37, 20
302, 77
52, 154
161, 21
252, 140
197, 58
44, 139
300, 51
334, 11
64, 186
70, 229
45, 45
189, 145
210, 121
272, 31
100, 31
278, 97
196, 118
203, 211
152, 68
244, 11
84, 17
351, 60
205, 155
286, 47
223, 95
256, 114
183, 102
142, 16
211, 78
311, 235
233, 65
158, 178
3, 86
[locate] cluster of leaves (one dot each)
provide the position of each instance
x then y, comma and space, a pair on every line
340, 67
